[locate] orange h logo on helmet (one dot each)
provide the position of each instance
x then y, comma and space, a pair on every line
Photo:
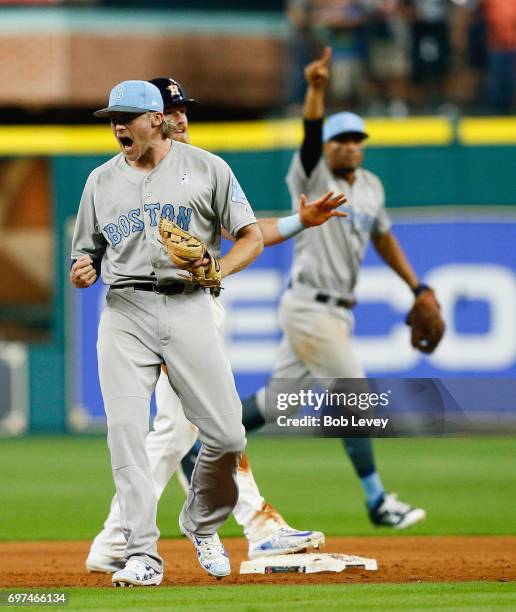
174, 89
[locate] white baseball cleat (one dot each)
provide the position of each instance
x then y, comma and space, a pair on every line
137, 573
211, 553
391, 512
285, 540
103, 564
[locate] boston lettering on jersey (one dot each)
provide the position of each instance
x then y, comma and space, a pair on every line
133, 222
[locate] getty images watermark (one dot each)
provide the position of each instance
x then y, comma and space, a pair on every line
381, 407
318, 402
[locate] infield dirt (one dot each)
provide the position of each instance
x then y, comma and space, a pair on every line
400, 559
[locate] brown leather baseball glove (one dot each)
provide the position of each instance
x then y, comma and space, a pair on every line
425, 320
184, 249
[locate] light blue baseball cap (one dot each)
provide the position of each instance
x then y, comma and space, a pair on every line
132, 97
343, 123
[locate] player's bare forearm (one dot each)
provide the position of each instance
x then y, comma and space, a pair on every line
391, 252
269, 229
270, 232
248, 245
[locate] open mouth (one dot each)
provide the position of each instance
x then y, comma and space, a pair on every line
126, 142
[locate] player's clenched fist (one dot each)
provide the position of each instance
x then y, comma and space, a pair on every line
317, 73
82, 273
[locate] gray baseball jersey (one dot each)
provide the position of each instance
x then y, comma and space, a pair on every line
120, 210
328, 257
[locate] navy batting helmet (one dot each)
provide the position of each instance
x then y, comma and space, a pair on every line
173, 93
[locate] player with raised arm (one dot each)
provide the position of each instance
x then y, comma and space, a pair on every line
316, 311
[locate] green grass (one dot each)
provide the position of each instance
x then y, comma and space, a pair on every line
61, 487
459, 596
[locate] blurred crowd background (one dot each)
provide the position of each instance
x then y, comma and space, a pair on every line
397, 56
245, 58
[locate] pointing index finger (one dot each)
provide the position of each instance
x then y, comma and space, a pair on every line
326, 56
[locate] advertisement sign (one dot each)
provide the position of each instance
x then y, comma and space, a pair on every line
470, 263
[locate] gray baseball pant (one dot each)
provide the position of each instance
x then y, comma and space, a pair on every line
138, 331
317, 340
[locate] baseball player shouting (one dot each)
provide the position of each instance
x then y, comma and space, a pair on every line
154, 316
173, 435
316, 311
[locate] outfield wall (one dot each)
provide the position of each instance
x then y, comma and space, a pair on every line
476, 286
424, 162
427, 161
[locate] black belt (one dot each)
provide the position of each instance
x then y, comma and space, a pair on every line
322, 297
171, 289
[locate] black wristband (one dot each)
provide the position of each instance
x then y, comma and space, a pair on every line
419, 289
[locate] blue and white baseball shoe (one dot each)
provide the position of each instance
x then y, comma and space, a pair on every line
137, 573
211, 553
389, 511
285, 541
